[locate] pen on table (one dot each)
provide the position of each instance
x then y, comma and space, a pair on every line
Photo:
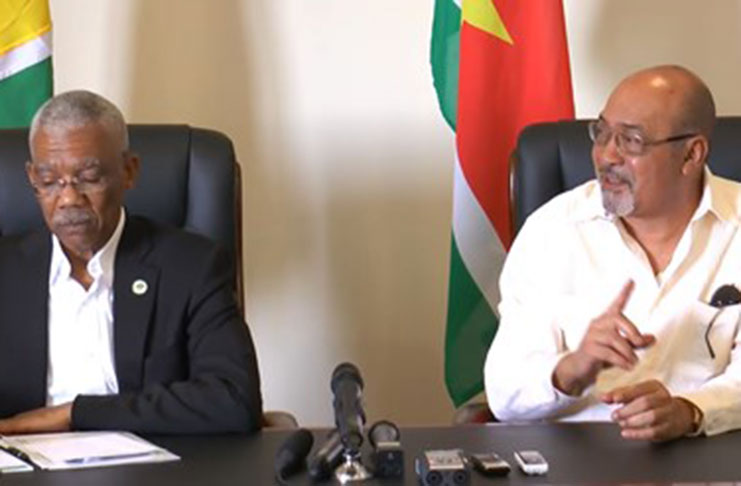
15, 452
112, 457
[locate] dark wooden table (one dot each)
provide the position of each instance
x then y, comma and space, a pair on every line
577, 454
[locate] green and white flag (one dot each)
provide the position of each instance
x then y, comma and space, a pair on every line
25, 60
497, 65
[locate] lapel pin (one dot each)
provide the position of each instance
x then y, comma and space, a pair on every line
139, 287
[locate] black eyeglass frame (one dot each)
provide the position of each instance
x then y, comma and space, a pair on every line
592, 128
707, 332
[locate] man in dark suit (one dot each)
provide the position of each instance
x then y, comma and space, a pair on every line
110, 321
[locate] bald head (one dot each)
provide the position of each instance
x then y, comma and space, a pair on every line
651, 164
683, 96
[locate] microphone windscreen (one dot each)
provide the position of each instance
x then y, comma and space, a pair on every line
346, 371
383, 431
292, 453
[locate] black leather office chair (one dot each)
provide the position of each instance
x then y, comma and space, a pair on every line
551, 158
189, 178
554, 157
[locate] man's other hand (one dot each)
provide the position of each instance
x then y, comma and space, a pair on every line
47, 419
609, 341
649, 412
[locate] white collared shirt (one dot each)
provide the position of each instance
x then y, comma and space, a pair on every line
569, 262
81, 355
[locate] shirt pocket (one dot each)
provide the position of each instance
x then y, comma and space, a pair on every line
720, 332
698, 346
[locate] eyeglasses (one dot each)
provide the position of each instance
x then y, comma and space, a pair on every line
627, 142
88, 181
724, 296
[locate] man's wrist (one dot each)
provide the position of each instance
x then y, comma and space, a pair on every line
66, 415
564, 378
696, 417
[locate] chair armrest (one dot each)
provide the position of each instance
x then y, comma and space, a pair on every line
473, 413
279, 419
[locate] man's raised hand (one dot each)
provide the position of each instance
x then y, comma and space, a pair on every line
610, 340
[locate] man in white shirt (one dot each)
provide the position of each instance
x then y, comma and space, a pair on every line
109, 320
605, 309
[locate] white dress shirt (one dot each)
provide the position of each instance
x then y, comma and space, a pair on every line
81, 357
570, 261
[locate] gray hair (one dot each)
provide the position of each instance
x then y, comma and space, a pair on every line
74, 109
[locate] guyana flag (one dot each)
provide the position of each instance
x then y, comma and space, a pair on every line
498, 65
25, 60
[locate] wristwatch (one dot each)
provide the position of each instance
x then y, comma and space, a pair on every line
697, 422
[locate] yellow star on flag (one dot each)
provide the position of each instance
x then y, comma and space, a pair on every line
483, 15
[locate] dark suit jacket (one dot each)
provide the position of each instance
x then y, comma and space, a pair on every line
184, 358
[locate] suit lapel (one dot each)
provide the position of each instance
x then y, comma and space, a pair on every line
135, 288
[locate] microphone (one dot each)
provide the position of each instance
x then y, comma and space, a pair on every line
291, 454
347, 386
383, 432
327, 458
387, 457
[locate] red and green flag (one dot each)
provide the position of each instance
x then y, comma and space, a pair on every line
25, 60
498, 65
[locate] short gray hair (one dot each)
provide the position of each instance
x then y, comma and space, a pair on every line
74, 109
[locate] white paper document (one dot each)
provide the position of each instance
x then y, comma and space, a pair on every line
11, 464
73, 450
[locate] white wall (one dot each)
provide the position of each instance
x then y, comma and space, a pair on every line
611, 38
347, 162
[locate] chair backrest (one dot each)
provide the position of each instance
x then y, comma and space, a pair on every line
189, 179
554, 157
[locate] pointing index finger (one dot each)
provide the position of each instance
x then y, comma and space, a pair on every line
617, 305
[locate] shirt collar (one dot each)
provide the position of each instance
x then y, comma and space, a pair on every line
592, 208
711, 201
716, 199
100, 265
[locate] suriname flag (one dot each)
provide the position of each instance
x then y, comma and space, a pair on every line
498, 65
25, 60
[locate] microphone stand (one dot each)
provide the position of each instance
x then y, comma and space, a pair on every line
347, 387
352, 470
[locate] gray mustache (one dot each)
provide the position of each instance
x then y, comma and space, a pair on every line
72, 217
621, 173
